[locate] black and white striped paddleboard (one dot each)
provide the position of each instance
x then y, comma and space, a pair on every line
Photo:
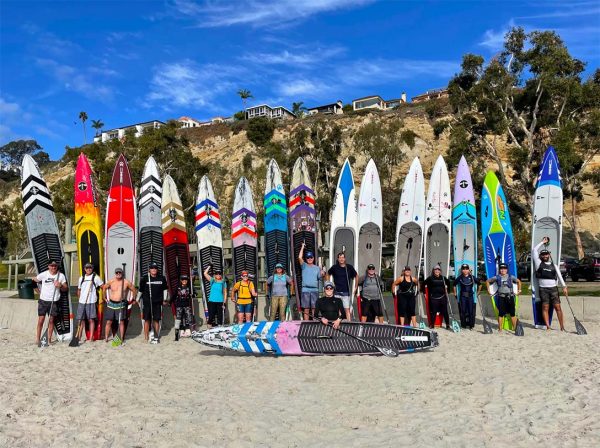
44, 237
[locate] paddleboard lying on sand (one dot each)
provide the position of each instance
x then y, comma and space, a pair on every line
208, 236
547, 221
175, 240
244, 236
438, 221
313, 338
370, 223
302, 221
120, 249
497, 235
410, 225
88, 232
464, 224
44, 238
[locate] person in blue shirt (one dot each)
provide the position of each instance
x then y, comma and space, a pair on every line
217, 298
311, 275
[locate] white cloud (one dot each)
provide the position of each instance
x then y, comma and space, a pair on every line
256, 13
187, 84
117, 36
287, 57
49, 43
295, 88
493, 40
567, 10
8, 109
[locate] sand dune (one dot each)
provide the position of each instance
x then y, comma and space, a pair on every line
473, 390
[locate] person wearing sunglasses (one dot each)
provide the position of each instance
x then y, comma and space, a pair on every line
243, 294
329, 309
116, 302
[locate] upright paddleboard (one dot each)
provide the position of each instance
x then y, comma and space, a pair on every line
410, 225
209, 236
547, 221
175, 239
344, 218
44, 237
370, 223
438, 223
121, 227
298, 338
497, 235
302, 221
244, 235
149, 204
464, 222
88, 230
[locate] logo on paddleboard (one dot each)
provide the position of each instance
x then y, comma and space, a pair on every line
35, 190
463, 184
82, 186
151, 189
173, 214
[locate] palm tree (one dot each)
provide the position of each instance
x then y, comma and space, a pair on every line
298, 109
97, 125
244, 94
83, 117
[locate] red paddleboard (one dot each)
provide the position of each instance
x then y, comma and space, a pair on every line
121, 226
88, 230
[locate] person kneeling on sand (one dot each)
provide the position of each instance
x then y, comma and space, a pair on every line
153, 289
505, 296
116, 303
184, 314
329, 308
52, 283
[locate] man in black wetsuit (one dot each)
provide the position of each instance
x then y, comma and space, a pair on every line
437, 289
329, 308
464, 291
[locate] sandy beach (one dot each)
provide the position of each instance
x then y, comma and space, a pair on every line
473, 390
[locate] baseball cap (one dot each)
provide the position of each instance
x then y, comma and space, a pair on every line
465, 266
407, 268
437, 267
52, 263
184, 277
544, 252
153, 266
371, 266
119, 270
89, 265
502, 266
278, 265
328, 285
218, 272
309, 254
244, 272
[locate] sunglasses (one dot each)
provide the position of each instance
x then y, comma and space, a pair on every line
88, 267
371, 269
118, 273
328, 287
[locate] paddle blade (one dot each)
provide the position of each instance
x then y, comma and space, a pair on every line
116, 340
74, 342
455, 326
388, 351
487, 328
422, 325
581, 331
519, 329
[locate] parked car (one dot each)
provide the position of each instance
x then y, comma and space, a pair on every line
587, 268
569, 263
524, 266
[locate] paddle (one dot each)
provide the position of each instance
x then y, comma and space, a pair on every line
581, 331
487, 328
117, 340
387, 351
453, 322
387, 318
44, 339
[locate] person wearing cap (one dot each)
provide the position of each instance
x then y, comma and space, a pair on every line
311, 275
464, 291
370, 295
329, 309
184, 310
345, 279
52, 283
243, 294
404, 290
277, 289
217, 298
116, 302
153, 289
437, 290
505, 296
87, 291
549, 277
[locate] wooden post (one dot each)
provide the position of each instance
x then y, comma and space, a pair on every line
16, 272
9, 272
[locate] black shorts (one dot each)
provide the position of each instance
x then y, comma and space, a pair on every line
115, 312
370, 307
407, 303
549, 295
47, 308
505, 305
153, 312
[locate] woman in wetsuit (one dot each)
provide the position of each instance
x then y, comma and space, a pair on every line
437, 289
406, 297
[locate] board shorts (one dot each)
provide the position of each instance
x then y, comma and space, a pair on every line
505, 305
345, 299
152, 311
407, 302
549, 295
309, 299
370, 307
245, 308
46, 308
86, 311
115, 311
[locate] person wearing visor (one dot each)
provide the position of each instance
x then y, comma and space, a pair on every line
548, 277
329, 309
243, 294
311, 275
370, 295
277, 288
405, 290
505, 296
217, 298
464, 291
116, 303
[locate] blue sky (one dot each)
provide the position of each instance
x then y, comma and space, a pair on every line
130, 61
